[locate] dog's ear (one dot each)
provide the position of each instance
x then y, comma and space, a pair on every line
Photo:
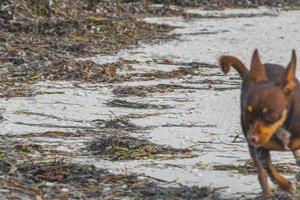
257, 70
288, 82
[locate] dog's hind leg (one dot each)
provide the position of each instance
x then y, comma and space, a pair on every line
297, 156
265, 158
295, 147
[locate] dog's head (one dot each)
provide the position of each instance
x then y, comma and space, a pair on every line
267, 101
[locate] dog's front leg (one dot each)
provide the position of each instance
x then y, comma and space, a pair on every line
262, 173
265, 158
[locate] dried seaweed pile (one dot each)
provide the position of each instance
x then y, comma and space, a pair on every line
219, 4
61, 180
41, 40
129, 148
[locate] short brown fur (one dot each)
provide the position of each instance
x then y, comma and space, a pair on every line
269, 102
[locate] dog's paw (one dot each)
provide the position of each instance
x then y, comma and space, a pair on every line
290, 188
293, 188
269, 197
269, 194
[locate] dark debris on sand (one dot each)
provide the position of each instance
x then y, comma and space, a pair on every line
60, 179
42, 40
221, 4
249, 168
118, 123
115, 147
65, 180
135, 105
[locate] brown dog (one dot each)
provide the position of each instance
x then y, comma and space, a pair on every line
270, 104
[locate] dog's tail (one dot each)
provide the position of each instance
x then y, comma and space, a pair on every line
227, 61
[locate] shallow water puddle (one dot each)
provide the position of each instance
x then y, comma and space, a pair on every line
202, 111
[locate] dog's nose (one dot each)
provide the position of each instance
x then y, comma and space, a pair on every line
254, 139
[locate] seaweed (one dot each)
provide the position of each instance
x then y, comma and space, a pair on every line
135, 105
249, 168
129, 148
67, 180
43, 39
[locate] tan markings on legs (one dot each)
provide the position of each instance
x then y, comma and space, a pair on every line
283, 183
263, 180
276, 177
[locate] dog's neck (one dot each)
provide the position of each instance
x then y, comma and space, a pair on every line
293, 109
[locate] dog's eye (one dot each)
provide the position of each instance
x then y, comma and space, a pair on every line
270, 117
265, 110
250, 109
